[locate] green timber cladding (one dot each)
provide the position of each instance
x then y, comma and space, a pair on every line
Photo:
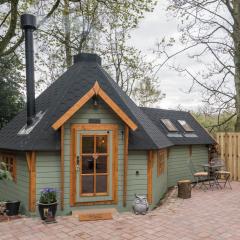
48, 164
14, 191
159, 184
179, 166
137, 160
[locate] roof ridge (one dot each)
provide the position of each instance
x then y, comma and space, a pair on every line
162, 109
138, 109
55, 105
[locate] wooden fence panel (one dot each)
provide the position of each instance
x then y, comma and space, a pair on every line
229, 150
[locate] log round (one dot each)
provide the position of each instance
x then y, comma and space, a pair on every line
184, 189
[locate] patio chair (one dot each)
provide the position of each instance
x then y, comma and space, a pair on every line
222, 175
200, 177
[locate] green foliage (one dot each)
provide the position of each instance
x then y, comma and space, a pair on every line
70, 27
11, 98
48, 195
4, 174
146, 93
216, 123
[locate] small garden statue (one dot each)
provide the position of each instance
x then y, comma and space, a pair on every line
47, 205
140, 205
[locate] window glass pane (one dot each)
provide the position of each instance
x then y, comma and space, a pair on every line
87, 164
101, 184
88, 144
101, 164
185, 126
87, 184
169, 125
101, 142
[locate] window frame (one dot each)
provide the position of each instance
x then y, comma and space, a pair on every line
163, 120
11, 167
161, 158
190, 129
95, 155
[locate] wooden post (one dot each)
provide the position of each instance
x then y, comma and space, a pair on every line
125, 173
72, 168
149, 176
62, 167
31, 162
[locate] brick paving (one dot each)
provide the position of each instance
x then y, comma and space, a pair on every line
210, 215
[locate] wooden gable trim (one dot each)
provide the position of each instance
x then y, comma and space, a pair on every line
31, 162
125, 163
96, 90
149, 176
117, 109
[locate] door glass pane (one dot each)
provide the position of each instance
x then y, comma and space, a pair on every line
101, 164
87, 184
101, 184
88, 144
101, 142
87, 164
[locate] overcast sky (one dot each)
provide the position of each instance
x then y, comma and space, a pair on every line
155, 26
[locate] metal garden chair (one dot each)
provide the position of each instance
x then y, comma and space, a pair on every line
222, 175
200, 177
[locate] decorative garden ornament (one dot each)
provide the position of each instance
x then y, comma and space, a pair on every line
140, 204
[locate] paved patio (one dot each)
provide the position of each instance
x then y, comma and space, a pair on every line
207, 215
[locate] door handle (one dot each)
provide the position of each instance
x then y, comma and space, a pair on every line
78, 162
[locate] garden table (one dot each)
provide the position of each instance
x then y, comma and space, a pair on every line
211, 169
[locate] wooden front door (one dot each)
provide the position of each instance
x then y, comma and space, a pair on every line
96, 164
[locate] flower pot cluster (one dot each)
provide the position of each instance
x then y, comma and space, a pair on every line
47, 205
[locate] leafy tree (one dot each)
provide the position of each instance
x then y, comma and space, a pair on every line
91, 26
212, 122
146, 93
11, 97
210, 33
72, 26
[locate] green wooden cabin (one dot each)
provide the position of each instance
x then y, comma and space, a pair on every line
92, 143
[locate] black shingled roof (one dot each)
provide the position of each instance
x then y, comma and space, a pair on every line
68, 89
63, 94
156, 115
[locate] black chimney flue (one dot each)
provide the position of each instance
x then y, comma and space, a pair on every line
29, 25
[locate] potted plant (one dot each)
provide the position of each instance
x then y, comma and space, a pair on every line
47, 204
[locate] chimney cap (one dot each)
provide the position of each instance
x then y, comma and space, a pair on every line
87, 57
28, 21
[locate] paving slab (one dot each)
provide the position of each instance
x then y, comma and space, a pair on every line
208, 215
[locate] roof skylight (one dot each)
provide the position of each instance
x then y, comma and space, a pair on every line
185, 126
169, 125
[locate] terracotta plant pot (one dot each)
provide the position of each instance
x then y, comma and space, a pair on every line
47, 210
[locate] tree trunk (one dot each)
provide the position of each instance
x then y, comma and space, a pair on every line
68, 50
236, 40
